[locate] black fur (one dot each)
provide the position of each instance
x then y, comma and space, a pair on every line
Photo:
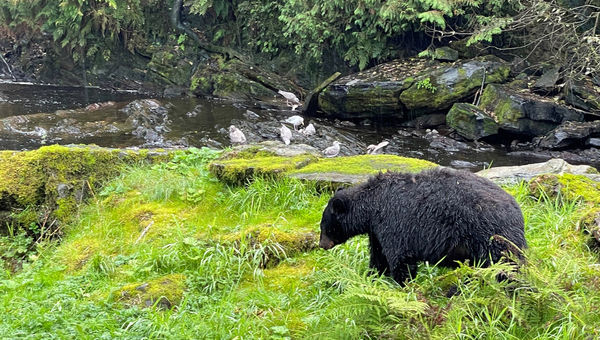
437, 215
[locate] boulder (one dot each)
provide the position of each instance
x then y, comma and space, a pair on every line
515, 174
584, 95
522, 112
470, 121
408, 88
149, 120
570, 134
372, 92
439, 88
445, 53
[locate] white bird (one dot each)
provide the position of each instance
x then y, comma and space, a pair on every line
332, 151
295, 121
290, 97
286, 134
309, 130
236, 136
375, 149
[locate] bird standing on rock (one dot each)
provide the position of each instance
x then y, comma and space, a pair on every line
295, 121
309, 130
286, 134
236, 136
290, 97
375, 149
332, 151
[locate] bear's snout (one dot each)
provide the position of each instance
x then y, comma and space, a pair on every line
326, 243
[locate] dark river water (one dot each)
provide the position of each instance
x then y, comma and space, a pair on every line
203, 122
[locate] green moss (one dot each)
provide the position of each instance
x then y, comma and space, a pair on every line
367, 164
165, 292
501, 106
241, 170
572, 187
56, 177
420, 98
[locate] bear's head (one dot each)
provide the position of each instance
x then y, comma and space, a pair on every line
332, 228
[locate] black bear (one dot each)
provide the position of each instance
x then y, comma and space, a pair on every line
439, 215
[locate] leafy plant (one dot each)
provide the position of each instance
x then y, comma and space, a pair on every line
426, 84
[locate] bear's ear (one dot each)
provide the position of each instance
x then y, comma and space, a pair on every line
339, 204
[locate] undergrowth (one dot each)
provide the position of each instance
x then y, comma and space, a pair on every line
172, 232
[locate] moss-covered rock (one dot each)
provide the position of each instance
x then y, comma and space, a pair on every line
355, 169
165, 292
240, 166
439, 88
470, 121
373, 92
571, 187
445, 53
241, 170
520, 111
53, 180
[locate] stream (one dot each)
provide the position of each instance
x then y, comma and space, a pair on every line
55, 115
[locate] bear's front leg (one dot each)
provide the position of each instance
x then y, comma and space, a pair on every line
378, 260
402, 271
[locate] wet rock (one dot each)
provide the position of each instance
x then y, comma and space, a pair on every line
593, 142
445, 53
471, 122
570, 134
584, 95
149, 120
389, 88
427, 121
440, 88
523, 112
515, 174
447, 144
371, 92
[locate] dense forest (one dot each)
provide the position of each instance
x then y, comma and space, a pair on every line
308, 34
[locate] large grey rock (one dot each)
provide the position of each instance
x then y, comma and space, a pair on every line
371, 92
471, 122
515, 174
416, 85
570, 134
523, 112
439, 88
